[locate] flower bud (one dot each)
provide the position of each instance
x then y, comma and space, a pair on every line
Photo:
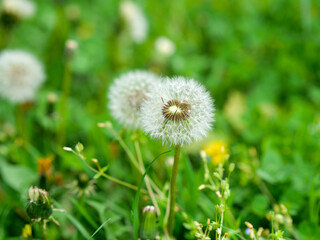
148, 228
79, 147
38, 206
70, 47
231, 167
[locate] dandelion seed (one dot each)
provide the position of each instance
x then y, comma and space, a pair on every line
127, 94
20, 76
20, 9
179, 111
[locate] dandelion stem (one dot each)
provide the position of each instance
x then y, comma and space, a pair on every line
21, 123
66, 85
147, 179
172, 194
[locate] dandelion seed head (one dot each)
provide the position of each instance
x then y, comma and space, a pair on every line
165, 46
127, 94
135, 19
179, 111
21, 74
20, 9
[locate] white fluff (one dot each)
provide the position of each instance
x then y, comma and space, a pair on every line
20, 75
126, 95
177, 132
21, 9
135, 19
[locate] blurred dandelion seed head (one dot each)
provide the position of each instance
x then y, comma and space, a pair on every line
135, 19
165, 46
179, 111
20, 9
21, 74
127, 94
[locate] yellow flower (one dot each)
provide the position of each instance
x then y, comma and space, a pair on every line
45, 166
27, 231
218, 151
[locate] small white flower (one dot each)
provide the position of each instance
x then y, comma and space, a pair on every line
21, 9
20, 75
179, 111
165, 46
135, 19
126, 95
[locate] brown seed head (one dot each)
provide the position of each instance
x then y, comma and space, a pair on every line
175, 110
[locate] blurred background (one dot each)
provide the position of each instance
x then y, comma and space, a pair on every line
260, 62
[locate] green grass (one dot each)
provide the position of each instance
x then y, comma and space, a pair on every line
258, 59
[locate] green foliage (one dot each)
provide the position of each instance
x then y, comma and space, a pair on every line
258, 59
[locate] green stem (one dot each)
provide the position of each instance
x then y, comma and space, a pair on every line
146, 179
5, 35
222, 204
172, 194
21, 123
128, 185
63, 108
264, 189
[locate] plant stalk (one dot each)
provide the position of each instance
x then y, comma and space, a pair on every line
172, 194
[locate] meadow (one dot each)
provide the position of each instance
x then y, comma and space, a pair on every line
160, 119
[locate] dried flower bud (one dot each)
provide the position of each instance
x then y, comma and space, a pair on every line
284, 210
218, 194
249, 225
94, 160
208, 221
67, 149
148, 228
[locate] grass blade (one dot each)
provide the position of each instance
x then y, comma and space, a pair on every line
99, 229
136, 199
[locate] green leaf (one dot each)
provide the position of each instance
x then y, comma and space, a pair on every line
84, 213
101, 172
259, 205
18, 177
75, 222
272, 168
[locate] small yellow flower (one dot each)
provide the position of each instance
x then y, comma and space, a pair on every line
45, 166
218, 151
27, 231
